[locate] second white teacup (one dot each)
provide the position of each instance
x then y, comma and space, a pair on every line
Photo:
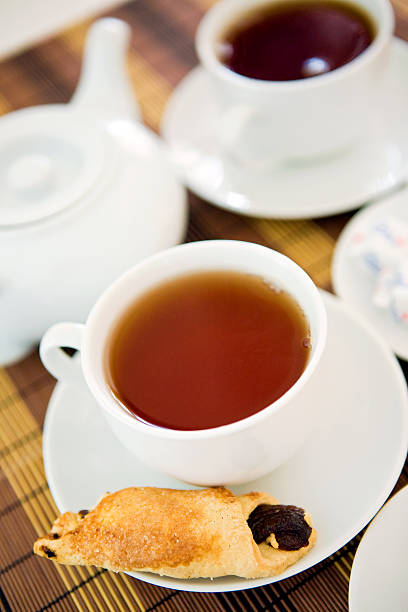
264, 123
232, 453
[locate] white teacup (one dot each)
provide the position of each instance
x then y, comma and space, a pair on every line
232, 453
264, 123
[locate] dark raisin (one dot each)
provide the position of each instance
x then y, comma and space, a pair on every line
287, 523
83, 513
50, 553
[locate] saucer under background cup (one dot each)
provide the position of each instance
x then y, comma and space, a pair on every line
332, 185
342, 475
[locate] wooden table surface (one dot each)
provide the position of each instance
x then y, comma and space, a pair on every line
162, 52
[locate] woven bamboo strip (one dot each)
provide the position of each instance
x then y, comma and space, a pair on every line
19, 482
44, 507
5, 107
37, 509
401, 7
303, 241
127, 587
24, 470
203, 4
341, 570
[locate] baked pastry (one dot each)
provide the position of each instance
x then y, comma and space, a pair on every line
184, 534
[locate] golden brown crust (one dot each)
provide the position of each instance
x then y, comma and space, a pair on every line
183, 534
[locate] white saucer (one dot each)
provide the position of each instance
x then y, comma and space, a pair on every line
342, 475
356, 287
334, 185
378, 579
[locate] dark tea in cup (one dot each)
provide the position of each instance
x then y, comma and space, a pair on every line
287, 41
206, 349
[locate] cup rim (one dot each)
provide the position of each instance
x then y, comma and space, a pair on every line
210, 61
112, 406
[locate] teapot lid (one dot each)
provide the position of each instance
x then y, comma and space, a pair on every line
50, 157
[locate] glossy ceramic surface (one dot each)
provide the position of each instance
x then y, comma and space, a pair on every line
81, 200
325, 186
342, 474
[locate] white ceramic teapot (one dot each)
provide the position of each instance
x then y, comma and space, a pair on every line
86, 192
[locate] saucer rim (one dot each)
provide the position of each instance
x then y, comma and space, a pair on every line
259, 210
370, 531
339, 262
209, 585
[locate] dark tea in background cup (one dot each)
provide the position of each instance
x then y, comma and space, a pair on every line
258, 56
177, 305
287, 41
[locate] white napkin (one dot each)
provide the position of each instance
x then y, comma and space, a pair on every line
382, 251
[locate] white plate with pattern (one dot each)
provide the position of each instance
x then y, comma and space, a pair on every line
355, 286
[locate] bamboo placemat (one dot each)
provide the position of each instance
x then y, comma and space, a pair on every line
162, 52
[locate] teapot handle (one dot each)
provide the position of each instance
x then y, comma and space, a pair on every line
104, 85
58, 363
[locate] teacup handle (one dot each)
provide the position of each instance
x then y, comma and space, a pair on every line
232, 124
57, 362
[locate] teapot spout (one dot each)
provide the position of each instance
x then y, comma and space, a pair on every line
104, 85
